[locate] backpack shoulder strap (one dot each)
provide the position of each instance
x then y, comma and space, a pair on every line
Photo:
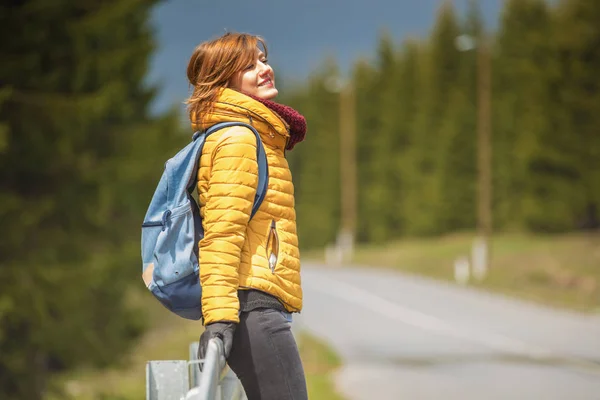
261, 157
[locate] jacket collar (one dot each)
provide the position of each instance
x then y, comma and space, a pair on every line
232, 105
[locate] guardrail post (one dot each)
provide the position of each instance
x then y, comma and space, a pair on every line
166, 380
171, 380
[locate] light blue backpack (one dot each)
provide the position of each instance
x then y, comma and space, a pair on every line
172, 227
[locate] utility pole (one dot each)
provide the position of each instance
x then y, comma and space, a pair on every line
484, 149
481, 246
348, 170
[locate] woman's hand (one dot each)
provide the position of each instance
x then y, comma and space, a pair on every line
222, 330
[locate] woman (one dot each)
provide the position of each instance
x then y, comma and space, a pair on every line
250, 271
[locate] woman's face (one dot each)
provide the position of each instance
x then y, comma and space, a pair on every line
257, 79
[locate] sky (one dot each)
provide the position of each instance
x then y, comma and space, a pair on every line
299, 34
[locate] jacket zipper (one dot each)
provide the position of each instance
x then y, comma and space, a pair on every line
273, 250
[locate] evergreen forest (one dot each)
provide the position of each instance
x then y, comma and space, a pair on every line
81, 153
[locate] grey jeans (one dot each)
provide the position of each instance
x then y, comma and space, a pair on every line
265, 357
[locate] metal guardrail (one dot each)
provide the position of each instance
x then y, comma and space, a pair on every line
183, 380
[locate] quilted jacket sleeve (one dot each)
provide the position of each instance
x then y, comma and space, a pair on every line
230, 196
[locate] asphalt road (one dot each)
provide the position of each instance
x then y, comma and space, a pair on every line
404, 337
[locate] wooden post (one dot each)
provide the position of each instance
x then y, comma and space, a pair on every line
484, 150
348, 170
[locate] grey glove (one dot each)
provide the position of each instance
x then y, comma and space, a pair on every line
221, 330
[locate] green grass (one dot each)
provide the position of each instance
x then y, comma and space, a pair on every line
562, 270
168, 339
319, 364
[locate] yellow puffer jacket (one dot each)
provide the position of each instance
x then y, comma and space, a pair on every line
234, 253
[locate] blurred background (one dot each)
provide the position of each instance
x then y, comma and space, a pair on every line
454, 139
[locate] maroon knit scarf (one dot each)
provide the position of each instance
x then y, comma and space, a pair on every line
294, 119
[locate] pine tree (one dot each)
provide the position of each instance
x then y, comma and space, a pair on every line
400, 109
378, 107
315, 162
79, 158
525, 194
574, 159
372, 154
458, 158
439, 74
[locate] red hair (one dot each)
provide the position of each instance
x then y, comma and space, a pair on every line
213, 65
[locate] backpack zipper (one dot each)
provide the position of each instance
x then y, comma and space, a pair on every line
152, 223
